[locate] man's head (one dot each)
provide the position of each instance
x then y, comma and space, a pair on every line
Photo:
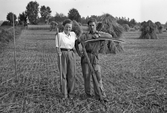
92, 25
67, 26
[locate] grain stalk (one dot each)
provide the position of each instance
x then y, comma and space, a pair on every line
15, 62
60, 63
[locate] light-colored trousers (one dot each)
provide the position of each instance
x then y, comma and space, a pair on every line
68, 61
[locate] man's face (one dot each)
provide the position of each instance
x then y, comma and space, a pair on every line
92, 26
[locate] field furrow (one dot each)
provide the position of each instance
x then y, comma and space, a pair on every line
135, 80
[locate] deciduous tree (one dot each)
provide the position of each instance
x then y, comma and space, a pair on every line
45, 12
9, 17
22, 18
60, 17
74, 15
32, 12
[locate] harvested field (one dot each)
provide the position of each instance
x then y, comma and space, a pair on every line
135, 81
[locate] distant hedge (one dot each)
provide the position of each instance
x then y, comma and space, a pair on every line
38, 27
6, 23
6, 35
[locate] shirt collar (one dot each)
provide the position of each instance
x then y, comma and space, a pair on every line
66, 34
96, 32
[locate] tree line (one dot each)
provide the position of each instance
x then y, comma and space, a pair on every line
30, 16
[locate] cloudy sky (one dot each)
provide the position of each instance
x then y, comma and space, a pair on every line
140, 10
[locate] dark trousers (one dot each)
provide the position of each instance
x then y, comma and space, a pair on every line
68, 60
87, 77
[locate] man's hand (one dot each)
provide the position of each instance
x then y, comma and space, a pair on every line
77, 42
96, 35
80, 54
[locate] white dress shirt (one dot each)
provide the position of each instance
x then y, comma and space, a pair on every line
65, 41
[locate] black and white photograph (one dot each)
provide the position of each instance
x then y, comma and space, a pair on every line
83, 56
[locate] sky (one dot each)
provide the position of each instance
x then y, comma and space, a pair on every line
140, 10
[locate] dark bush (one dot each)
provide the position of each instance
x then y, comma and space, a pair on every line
7, 35
6, 23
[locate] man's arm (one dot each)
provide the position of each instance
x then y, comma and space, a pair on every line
77, 42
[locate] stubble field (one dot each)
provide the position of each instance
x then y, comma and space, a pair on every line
135, 80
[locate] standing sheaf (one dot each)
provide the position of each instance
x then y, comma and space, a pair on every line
148, 30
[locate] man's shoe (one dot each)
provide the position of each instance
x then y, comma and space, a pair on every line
104, 99
71, 97
88, 95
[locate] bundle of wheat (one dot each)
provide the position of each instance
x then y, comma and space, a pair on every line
53, 25
109, 43
60, 27
158, 27
110, 25
1, 23
76, 28
6, 35
126, 27
148, 30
